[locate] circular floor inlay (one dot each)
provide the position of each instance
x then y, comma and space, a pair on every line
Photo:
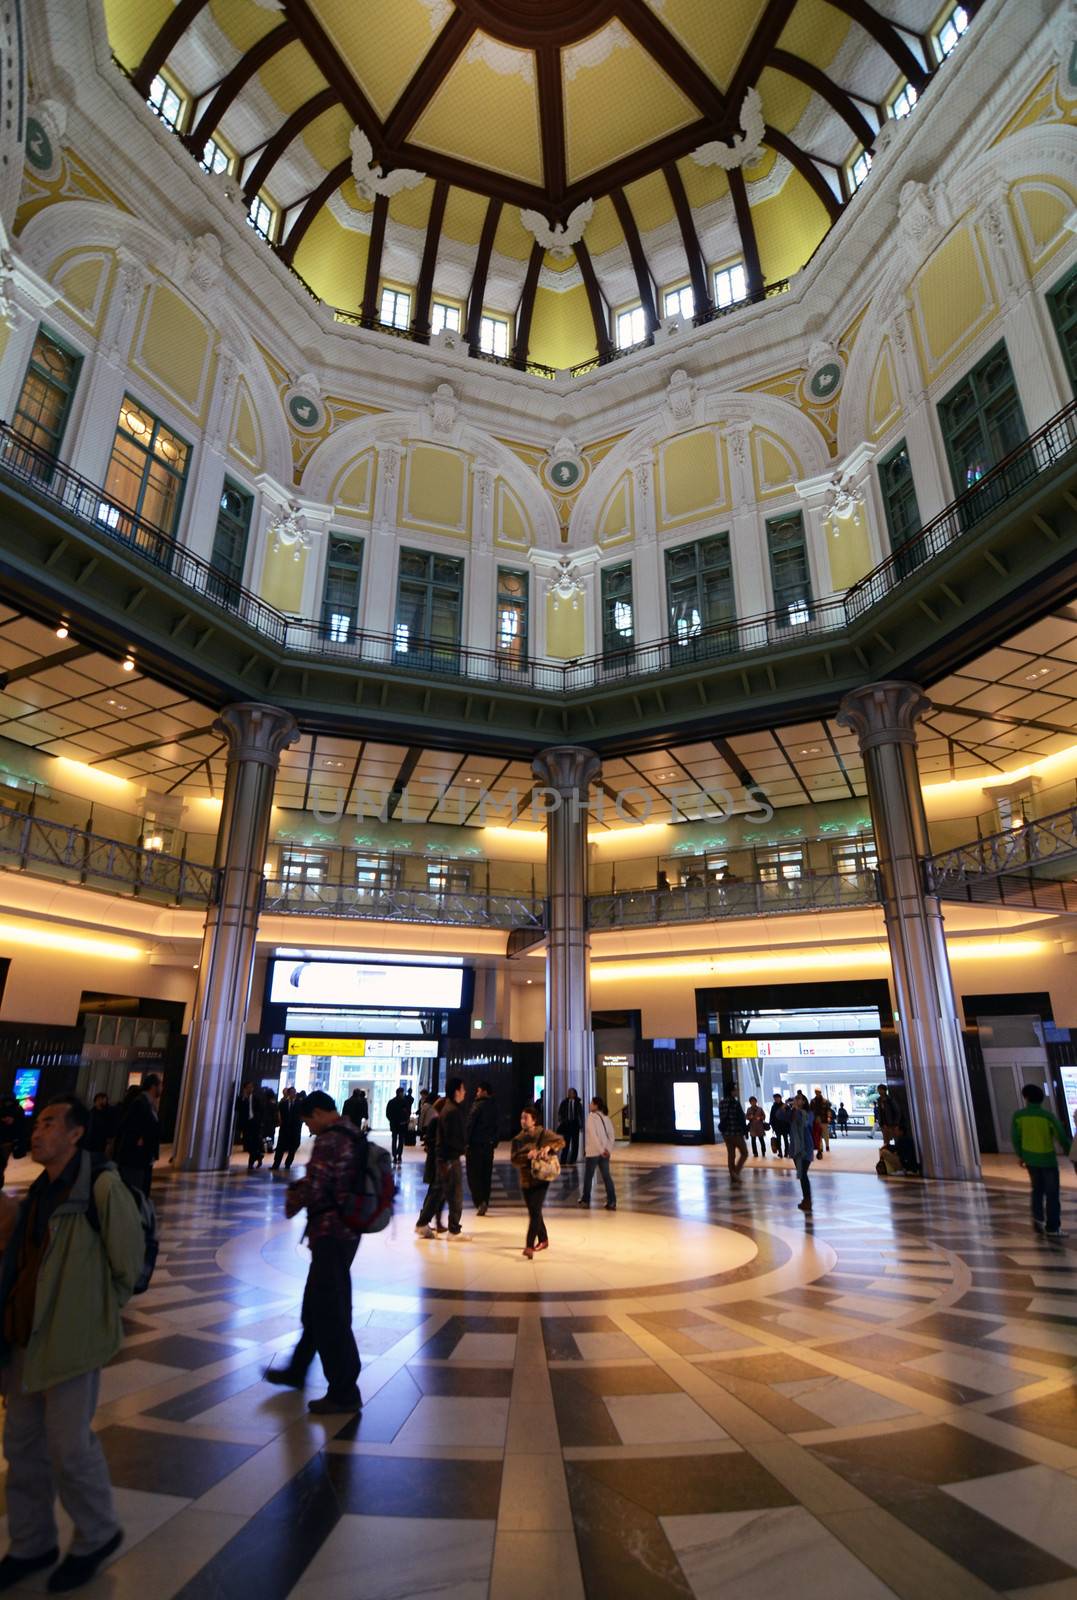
596, 1252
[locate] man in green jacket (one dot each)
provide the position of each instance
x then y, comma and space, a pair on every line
62, 1285
1033, 1133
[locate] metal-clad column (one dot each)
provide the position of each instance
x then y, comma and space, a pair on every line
566, 771
256, 736
884, 717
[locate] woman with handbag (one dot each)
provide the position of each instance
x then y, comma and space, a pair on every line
534, 1154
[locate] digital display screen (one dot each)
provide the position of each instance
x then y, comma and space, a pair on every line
365, 983
25, 1090
686, 1117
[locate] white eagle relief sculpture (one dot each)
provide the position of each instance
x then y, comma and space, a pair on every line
745, 147
370, 180
560, 238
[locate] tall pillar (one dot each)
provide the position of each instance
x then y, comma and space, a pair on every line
256, 736
566, 770
884, 717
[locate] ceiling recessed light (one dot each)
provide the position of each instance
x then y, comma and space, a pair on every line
62, 631
129, 664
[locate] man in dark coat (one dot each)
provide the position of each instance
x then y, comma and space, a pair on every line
138, 1137
482, 1134
291, 1130
452, 1143
398, 1115
99, 1131
570, 1126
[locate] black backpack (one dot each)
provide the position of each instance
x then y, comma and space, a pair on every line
147, 1214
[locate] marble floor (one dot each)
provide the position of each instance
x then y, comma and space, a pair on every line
702, 1389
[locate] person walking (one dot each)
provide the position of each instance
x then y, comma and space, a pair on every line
138, 1136
12, 1132
842, 1120
779, 1124
99, 1130
64, 1281
291, 1131
357, 1109
429, 1223
756, 1118
452, 1144
820, 1111
398, 1115
254, 1132
887, 1115
244, 1107
1034, 1131
802, 1145
733, 1125
598, 1142
481, 1144
570, 1125
423, 1113
327, 1298
531, 1145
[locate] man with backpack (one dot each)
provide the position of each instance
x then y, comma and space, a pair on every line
75, 1251
138, 1136
339, 1152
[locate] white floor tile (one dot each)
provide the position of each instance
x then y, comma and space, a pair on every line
394, 1558
661, 1419
448, 1420
992, 1377
128, 1377
486, 1347
606, 1346
779, 1551
1036, 1502
844, 1403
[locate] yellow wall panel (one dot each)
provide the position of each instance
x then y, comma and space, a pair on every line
512, 238
603, 231
788, 227
702, 185
952, 298
774, 465
282, 578
173, 347
651, 202
883, 394
562, 330
512, 526
332, 260
691, 479
411, 207
436, 491
464, 216
245, 441
616, 520
1040, 207
354, 487
849, 552
566, 637
84, 279
132, 27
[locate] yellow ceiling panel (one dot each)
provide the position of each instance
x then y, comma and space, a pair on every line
603, 230
290, 78
651, 202
784, 98
132, 27
332, 260
617, 99
464, 216
788, 228
512, 238
557, 263
487, 115
714, 34
757, 170
354, 199
243, 22
327, 136
702, 185
562, 330
815, 31
380, 41
411, 207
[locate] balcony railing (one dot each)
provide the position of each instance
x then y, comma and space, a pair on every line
711, 902
1027, 865
107, 517
57, 850
490, 910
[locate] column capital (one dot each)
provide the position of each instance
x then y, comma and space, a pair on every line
884, 713
256, 732
566, 767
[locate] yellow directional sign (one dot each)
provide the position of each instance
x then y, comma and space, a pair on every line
739, 1047
327, 1047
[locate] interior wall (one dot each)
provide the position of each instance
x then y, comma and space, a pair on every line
45, 986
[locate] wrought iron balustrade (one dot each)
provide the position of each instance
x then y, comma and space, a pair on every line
1009, 867
354, 901
717, 901
58, 850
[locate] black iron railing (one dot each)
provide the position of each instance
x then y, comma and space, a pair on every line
109, 518
710, 902
352, 901
74, 855
713, 313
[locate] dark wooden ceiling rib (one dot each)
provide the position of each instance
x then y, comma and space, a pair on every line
673, 58
482, 268
427, 79
310, 208
235, 81
465, 175
164, 42
552, 122
639, 260
697, 269
59, 658
323, 52
599, 312
526, 309
808, 74
807, 169
885, 34
375, 246
424, 289
738, 190
768, 30
301, 118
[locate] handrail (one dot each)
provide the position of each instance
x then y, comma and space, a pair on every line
716, 901
109, 518
1008, 853
36, 842
712, 313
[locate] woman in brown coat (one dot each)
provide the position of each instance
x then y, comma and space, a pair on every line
534, 1141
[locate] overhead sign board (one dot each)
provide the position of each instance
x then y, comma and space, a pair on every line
740, 1047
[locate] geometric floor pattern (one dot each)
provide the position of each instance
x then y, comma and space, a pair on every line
877, 1401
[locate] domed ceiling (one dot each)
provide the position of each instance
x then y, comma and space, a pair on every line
550, 159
